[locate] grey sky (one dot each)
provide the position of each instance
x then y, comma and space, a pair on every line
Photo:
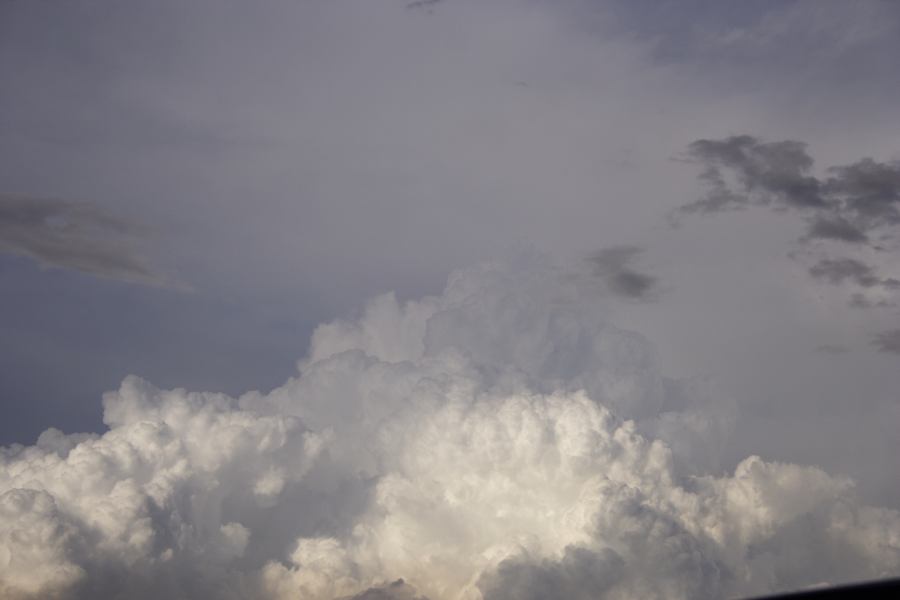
295, 158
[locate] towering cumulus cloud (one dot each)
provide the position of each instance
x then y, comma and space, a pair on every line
502, 440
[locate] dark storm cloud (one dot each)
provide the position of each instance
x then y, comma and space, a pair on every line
613, 266
888, 341
74, 235
845, 206
774, 173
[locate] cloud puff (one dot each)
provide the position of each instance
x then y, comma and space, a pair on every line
500, 440
147, 504
75, 235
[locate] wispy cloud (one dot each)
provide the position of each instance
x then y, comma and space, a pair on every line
76, 235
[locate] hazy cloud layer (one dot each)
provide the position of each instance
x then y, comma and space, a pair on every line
614, 266
501, 440
75, 235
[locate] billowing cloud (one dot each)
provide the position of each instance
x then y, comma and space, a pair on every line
75, 235
501, 440
614, 266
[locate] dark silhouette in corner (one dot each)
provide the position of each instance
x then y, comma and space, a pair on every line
876, 589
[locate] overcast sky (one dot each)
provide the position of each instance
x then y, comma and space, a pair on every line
188, 188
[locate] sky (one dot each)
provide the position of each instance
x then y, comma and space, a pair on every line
412, 225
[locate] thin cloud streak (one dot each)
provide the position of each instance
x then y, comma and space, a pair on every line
78, 236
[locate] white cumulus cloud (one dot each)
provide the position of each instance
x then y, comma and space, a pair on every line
501, 440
